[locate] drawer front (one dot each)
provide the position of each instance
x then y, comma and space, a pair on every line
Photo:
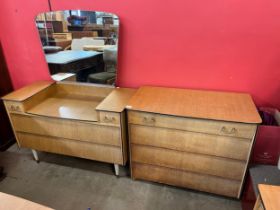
202, 164
69, 129
186, 179
216, 145
240, 130
110, 118
110, 154
14, 107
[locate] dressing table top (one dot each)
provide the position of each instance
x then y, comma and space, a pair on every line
28, 91
226, 106
117, 100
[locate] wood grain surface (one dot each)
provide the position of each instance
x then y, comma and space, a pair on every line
235, 107
186, 179
198, 163
8, 202
104, 153
270, 196
233, 129
28, 91
68, 108
200, 143
117, 100
69, 129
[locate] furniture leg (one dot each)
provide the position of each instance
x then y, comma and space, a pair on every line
35, 155
117, 169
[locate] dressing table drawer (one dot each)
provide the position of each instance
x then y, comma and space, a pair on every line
240, 130
185, 141
110, 118
14, 106
69, 129
74, 148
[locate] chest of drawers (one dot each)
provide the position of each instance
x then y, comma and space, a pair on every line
195, 139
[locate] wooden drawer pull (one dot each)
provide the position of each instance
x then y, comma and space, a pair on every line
149, 120
109, 119
226, 131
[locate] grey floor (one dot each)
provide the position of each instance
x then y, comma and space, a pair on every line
68, 183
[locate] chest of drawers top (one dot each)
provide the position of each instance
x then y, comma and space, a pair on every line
212, 105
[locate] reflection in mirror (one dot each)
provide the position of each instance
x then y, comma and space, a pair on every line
80, 45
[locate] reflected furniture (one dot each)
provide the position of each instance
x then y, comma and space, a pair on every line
80, 120
75, 61
110, 62
78, 44
62, 36
99, 48
81, 34
189, 138
60, 43
64, 77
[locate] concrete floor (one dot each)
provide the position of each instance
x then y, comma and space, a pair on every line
68, 183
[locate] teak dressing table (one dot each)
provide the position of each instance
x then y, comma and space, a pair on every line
196, 139
81, 120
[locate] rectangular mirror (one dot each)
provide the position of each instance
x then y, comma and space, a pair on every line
80, 46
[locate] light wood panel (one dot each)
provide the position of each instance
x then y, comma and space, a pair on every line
39, 97
201, 164
235, 107
117, 100
28, 91
270, 196
200, 143
68, 108
240, 130
83, 89
87, 150
69, 129
10, 202
186, 179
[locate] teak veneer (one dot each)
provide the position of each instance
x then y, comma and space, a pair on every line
269, 197
191, 138
81, 120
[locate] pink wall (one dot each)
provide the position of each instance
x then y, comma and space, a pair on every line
20, 41
219, 45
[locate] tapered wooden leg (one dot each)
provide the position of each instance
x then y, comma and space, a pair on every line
35, 155
117, 169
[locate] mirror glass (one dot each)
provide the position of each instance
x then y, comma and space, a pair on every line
80, 46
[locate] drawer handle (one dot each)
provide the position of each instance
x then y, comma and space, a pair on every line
13, 108
226, 131
149, 120
109, 119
